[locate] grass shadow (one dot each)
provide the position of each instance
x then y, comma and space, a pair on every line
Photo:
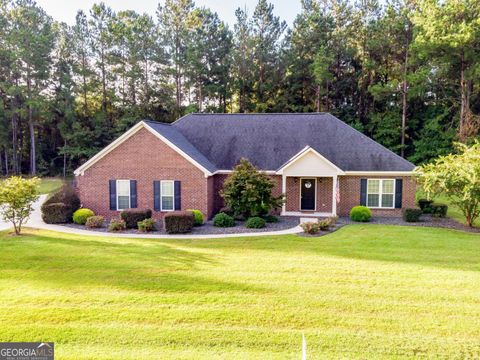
417, 245
70, 261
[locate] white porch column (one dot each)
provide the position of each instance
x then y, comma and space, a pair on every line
284, 192
334, 193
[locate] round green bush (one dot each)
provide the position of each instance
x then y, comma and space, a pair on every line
197, 214
360, 213
439, 210
81, 215
270, 218
425, 204
412, 214
223, 220
255, 223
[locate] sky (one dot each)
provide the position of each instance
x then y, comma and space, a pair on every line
65, 10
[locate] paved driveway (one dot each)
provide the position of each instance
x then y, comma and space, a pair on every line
35, 219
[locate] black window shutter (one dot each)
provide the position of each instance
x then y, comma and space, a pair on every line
156, 195
113, 194
178, 195
398, 193
363, 192
133, 194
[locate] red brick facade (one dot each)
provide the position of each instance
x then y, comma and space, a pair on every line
145, 158
350, 195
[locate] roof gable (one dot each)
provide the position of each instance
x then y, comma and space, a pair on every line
163, 132
270, 140
309, 162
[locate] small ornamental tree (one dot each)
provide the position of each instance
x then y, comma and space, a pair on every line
457, 176
17, 196
248, 192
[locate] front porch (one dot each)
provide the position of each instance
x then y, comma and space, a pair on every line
310, 185
309, 196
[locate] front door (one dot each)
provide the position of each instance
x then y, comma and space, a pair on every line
307, 194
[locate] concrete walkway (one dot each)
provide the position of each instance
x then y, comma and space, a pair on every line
36, 222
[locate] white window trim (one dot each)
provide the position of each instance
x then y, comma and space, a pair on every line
129, 194
173, 195
381, 193
300, 197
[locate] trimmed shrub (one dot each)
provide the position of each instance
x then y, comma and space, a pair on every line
248, 192
223, 220
325, 224
179, 222
255, 223
226, 210
95, 221
360, 213
81, 216
146, 225
425, 205
311, 227
439, 210
116, 225
270, 218
198, 216
67, 196
56, 213
412, 214
133, 216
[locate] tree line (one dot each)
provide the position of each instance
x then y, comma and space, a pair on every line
405, 73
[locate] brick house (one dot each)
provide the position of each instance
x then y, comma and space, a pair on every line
323, 166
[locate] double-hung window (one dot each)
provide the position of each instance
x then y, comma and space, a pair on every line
167, 195
123, 194
381, 193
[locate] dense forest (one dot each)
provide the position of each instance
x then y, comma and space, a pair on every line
406, 73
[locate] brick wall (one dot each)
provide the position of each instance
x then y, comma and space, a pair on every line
145, 158
350, 195
324, 195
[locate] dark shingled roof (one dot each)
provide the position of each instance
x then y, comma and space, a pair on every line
174, 136
270, 140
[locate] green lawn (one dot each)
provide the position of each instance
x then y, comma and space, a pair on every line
365, 292
49, 185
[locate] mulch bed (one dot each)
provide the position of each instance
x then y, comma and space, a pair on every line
288, 222
284, 223
426, 220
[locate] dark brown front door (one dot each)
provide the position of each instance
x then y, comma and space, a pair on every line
307, 194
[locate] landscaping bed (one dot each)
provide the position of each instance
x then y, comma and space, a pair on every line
284, 223
426, 220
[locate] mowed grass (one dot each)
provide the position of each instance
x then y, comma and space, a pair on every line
49, 185
363, 292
